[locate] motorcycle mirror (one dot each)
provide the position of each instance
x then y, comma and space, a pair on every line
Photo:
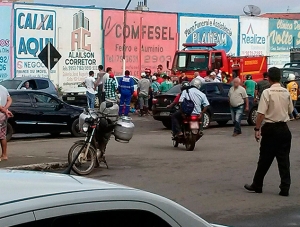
109, 104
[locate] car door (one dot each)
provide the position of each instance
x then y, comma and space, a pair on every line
216, 100
51, 115
24, 119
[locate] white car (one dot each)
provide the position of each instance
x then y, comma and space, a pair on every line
77, 95
44, 199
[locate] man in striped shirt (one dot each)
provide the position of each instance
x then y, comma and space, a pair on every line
110, 87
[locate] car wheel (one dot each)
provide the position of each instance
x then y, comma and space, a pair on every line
167, 124
206, 120
75, 131
222, 123
9, 132
252, 116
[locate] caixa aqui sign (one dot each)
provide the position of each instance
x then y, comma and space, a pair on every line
34, 29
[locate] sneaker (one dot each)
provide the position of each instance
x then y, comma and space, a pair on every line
298, 116
292, 119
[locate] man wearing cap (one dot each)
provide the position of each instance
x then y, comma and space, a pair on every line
274, 108
143, 94
126, 89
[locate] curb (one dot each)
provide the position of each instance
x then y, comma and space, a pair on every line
41, 166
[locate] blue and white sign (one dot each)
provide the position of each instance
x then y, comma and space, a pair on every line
284, 35
254, 36
222, 30
34, 28
5, 42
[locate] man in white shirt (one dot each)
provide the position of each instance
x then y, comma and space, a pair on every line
90, 84
99, 82
199, 100
197, 75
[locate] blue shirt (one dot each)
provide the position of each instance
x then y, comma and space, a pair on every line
198, 97
126, 86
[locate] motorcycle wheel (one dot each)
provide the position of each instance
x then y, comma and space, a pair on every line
82, 166
190, 142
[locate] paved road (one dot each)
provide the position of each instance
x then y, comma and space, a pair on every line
208, 181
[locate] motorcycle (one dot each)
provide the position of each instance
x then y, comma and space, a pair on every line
87, 154
191, 128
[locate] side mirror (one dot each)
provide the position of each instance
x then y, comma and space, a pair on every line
168, 64
109, 104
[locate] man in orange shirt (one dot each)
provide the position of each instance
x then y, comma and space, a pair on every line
293, 89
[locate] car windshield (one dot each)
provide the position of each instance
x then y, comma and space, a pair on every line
191, 61
11, 84
287, 72
174, 90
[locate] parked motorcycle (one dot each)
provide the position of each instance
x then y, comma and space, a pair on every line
191, 128
87, 154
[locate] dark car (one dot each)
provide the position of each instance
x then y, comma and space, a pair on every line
39, 112
219, 109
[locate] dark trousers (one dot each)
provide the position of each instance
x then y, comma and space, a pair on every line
101, 94
176, 122
275, 143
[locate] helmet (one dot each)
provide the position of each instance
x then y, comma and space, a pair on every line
154, 78
148, 70
184, 85
249, 77
143, 75
291, 77
196, 83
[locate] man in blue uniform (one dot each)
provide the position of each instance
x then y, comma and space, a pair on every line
126, 89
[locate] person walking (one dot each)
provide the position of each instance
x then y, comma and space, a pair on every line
143, 94
238, 100
90, 84
126, 89
110, 87
99, 83
293, 89
105, 77
261, 86
250, 86
274, 108
5, 102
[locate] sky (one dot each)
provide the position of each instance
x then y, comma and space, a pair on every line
234, 7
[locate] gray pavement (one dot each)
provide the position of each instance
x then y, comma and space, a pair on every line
208, 181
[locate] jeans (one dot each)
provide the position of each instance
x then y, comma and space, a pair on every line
295, 112
125, 100
275, 143
90, 100
236, 115
143, 101
176, 122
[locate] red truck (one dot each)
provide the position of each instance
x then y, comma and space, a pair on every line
200, 57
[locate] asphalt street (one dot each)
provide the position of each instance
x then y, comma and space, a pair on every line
209, 181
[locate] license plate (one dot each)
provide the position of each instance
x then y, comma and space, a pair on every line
164, 114
194, 125
70, 98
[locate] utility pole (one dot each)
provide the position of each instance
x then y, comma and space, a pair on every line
124, 37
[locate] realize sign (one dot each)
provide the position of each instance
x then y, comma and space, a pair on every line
54, 56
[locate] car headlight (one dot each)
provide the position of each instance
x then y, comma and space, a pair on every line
85, 127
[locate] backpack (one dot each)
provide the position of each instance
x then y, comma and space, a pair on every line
187, 106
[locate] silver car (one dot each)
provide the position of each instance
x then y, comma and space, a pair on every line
46, 199
35, 83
